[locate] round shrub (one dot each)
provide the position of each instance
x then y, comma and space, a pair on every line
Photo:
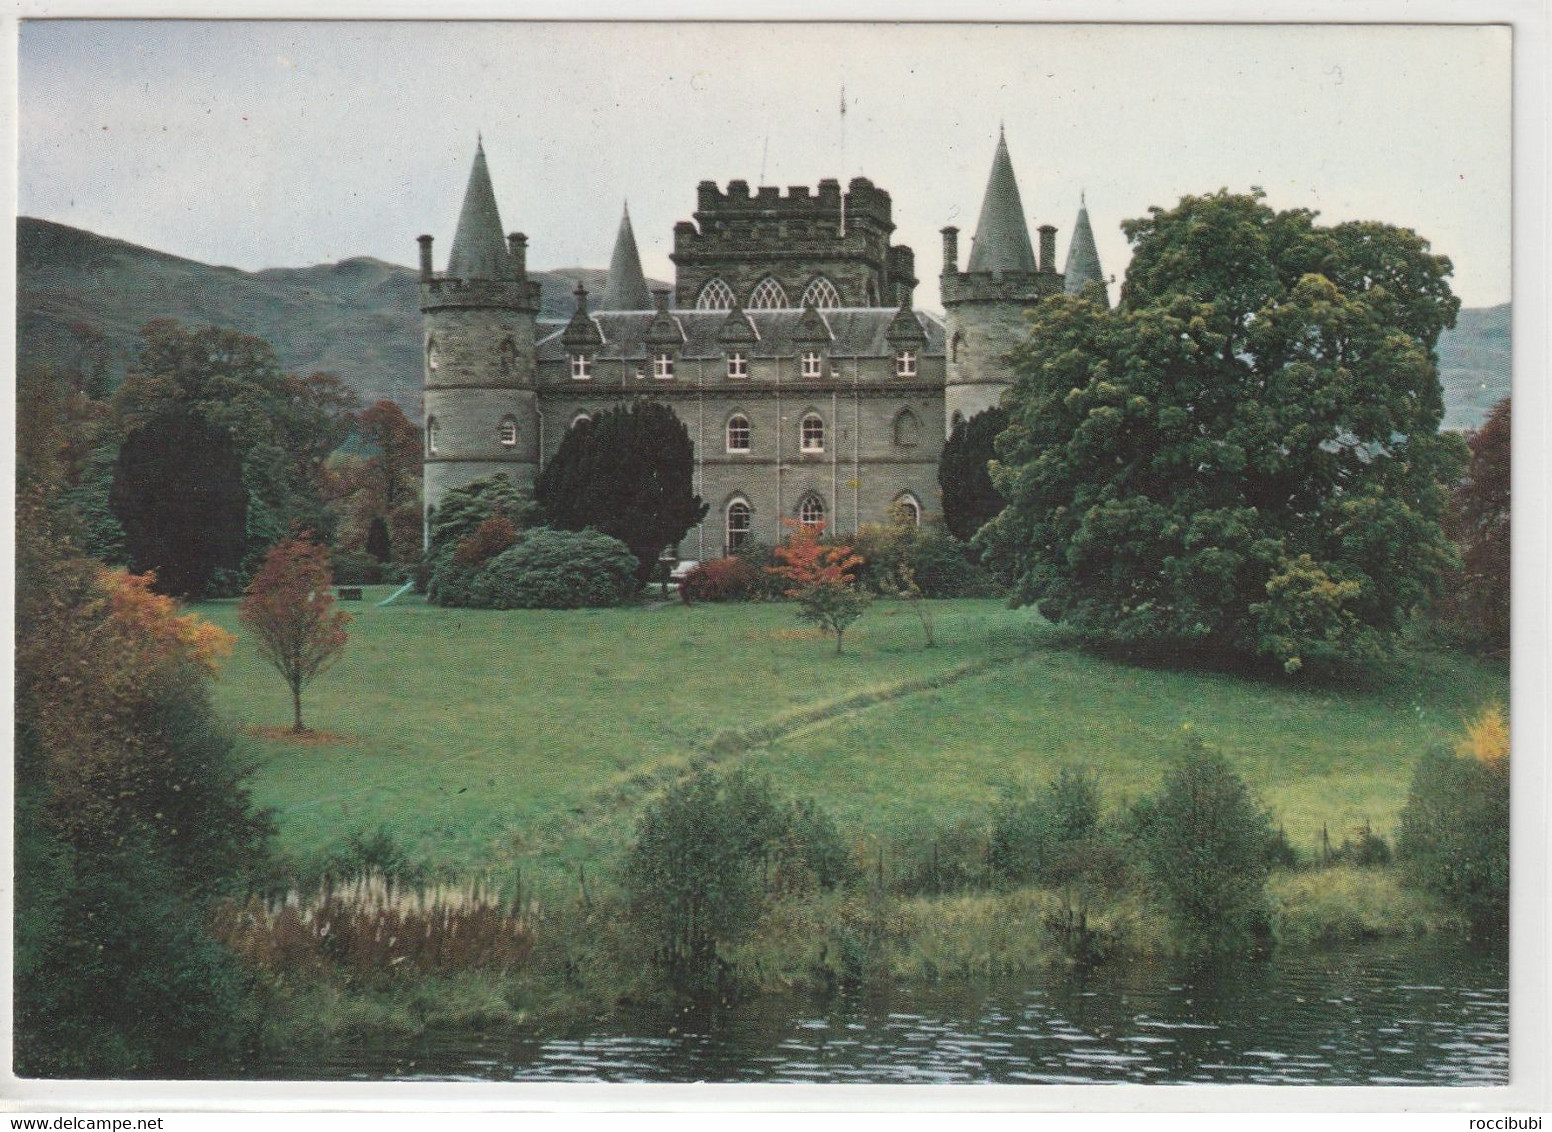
1454, 839
723, 579
548, 569
1205, 841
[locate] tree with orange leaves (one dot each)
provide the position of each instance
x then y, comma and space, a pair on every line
289, 609
823, 582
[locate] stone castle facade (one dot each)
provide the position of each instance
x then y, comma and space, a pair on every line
812, 388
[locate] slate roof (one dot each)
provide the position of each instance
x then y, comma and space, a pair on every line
626, 289
479, 248
854, 332
1082, 256
1001, 235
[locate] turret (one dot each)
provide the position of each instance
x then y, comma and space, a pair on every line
984, 305
479, 321
626, 289
1083, 274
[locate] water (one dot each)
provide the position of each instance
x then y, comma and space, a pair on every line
1418, 1012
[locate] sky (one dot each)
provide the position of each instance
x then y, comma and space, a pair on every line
275, 144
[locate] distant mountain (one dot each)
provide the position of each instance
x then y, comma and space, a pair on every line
1474, 365
83, 297
80, 296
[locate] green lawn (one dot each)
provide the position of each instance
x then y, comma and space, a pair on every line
471, 734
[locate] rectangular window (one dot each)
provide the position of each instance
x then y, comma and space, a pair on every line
813, 434
738, 365
812, 364
581, 367
905, 363
663, 366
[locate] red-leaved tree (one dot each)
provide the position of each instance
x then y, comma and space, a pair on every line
822, 577
289, 609
1480, 522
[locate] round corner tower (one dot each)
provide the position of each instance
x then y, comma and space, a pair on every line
480, 404
984, 305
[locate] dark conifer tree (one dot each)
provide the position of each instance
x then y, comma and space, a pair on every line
178, 492
629, 474
969, 499
378, 543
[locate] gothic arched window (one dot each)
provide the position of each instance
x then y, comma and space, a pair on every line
811, 510
767, 296
738, 433
739, 521
907, 429
821, 293
715, 296
431, 436
508, 431
508, 360
433, 355
912, 505
581, 419
812, 433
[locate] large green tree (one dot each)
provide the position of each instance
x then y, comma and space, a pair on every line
630, 474
1244, 457
283, 427
970, 499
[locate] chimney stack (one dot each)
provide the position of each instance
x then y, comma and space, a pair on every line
517, 248
951, 250
1047, 247
425, 256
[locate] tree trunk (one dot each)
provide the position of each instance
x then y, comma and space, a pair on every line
840, 636
296, 705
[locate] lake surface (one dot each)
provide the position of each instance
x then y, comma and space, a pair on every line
1432, 1012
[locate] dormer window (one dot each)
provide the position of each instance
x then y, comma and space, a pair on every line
905, 363
663, 365
581, 367
738, 365
813, 364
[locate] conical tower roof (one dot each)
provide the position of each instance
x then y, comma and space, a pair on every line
1001, 235
1082, 256
626, 289
479, 249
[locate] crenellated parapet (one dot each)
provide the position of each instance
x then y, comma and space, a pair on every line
999, 287
742, 236
441, 292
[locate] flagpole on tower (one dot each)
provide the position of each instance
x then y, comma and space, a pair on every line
843, 158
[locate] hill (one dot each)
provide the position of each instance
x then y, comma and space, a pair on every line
83, 298
1474, 365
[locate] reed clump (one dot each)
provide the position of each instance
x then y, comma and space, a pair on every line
370, 925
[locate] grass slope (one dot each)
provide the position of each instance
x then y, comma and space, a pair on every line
480, 738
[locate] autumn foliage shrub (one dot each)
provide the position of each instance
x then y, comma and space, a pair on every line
723, 579
369, 926
488, 539
821, 577
1454, 839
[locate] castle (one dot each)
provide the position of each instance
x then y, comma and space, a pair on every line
789, 346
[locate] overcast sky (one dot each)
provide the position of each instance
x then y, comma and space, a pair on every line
285, 144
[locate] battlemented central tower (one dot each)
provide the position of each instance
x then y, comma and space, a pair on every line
766, 251
481, 408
